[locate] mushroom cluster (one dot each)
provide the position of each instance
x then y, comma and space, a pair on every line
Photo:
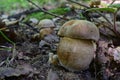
76, 48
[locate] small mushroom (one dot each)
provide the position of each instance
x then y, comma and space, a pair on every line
76, 48
53, 59
46, 23
46, 27
95, 3
47, 34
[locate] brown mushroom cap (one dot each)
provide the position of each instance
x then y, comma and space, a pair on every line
80, 29
46, 23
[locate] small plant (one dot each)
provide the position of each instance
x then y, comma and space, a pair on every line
13, 49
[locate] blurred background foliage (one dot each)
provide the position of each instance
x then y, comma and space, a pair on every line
15, 6
8, 5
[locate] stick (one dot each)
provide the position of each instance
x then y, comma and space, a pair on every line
112, 2
78, 3
46, 11
88, 8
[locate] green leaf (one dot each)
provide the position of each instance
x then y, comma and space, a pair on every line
101, 9
6, 38
6, 48
115, 5
67, 9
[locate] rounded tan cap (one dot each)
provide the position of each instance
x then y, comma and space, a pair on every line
46, 23
80, 29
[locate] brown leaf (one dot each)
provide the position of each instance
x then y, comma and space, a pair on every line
24, 69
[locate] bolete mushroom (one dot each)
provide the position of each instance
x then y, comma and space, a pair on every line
76, 48
79, 29
47, 34
46, 27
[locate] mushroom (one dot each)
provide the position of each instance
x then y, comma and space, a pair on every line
95, 3
80, 29
46, 23
44, 32
46, 27
47, 34
76, 48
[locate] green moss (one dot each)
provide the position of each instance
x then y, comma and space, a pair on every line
42, 15
11, 5
60, 11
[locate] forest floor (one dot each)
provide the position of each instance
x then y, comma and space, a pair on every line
24, 56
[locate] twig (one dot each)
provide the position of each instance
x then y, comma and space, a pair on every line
88, 8
112, 2
78, 3
114, 21
34, 29
46, 11
104, 17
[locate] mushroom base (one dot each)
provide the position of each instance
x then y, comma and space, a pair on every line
74, 54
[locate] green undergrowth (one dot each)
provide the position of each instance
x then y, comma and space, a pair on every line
42, 15
8, 5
